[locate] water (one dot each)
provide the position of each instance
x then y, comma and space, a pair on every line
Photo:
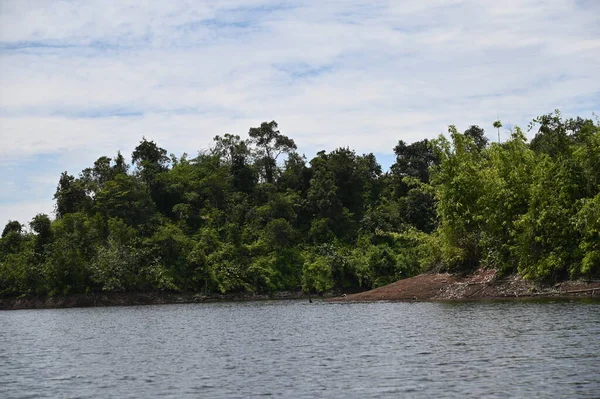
296, 349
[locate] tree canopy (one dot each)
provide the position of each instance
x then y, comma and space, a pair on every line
253, 215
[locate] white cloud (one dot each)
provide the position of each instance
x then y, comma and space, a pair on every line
78, 81
23, 212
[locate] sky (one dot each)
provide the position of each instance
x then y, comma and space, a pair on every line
83, 79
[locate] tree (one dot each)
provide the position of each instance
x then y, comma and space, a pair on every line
332, 190
412, 160
150, 159
478, 136
497, 125
120, 166
507, 179
70, 196
459, 185
270, 143
370, 173
234, 219
410, 175
235, 153
151, 162
12, 226
556, 135
126, 198
66, 267
116, 265
417, 209
42, 226
547, 239
12, 237
295, 175
587, 222
96, 177
556, 237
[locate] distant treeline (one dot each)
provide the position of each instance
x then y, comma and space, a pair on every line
251, 214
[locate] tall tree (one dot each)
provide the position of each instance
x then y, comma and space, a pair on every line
12, 226
12, 237
553, 136
42, 226
235, 153
270, 143
459, 185
412, 160
478, 136
70, 196
152, 162
497, 125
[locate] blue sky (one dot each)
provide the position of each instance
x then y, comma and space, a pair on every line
79, 80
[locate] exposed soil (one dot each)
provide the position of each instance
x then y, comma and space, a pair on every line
483, 284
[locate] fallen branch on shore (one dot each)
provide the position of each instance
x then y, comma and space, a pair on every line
579, 291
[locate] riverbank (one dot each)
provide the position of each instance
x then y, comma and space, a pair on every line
135, 298
483, 284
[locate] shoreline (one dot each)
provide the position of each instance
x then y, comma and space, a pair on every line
481, 285
107, 299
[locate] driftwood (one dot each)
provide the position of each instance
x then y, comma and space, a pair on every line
551, 293
578, 291
476, 291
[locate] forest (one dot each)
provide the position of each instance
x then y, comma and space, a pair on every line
251, 214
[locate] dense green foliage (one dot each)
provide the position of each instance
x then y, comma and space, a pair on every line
252, 215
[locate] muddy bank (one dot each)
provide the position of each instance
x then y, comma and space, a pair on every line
484, 284
134, 298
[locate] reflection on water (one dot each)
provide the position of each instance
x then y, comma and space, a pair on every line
296, 349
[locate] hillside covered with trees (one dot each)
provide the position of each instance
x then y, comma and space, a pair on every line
251, 214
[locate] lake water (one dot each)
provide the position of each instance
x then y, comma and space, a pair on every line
295, 349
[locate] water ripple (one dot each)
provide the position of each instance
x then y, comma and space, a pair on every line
292, 349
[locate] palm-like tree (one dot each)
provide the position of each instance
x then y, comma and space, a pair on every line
498, 125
